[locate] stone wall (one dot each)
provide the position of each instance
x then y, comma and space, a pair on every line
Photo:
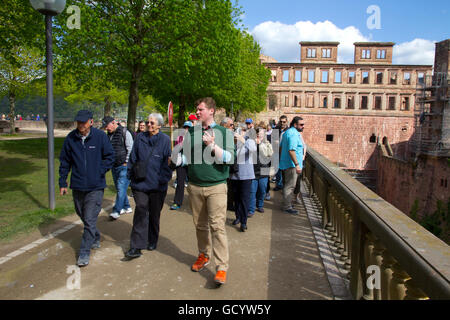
401, 183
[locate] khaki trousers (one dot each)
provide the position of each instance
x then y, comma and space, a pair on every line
290, 177
209, 212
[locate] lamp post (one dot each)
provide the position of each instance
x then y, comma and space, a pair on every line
49, 8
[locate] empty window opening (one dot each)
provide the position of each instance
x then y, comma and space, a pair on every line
364, 102
393, 77
324, 102
351, 77
365, 77
298, 76
351, 102
407, 78
421, 77
311, 53
285, 75
338, 76
381, 54
373, 138
326, 53
311, 75
377, 103
324, 76
365, 54
337, 103
405, 103
379, 77
391, 103
329, 137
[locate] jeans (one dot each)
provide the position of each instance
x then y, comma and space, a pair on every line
258, 193
87, 206
279, 179
121, 182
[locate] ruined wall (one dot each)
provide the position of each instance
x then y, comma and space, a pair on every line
401, 183
351, 144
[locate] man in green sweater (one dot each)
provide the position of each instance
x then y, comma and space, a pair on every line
209, 149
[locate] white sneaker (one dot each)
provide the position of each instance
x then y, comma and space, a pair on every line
298, 198
114, 215
129, 210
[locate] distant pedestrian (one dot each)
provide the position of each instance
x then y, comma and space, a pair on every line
151, 153
122, 142
291, 162
242, 179
142, 127
261, 169
181, 173
88, 153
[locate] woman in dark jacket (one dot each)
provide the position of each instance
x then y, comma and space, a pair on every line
152, 150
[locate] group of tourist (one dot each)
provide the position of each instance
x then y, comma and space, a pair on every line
211, 157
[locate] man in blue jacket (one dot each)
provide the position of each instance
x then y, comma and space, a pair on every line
88, 152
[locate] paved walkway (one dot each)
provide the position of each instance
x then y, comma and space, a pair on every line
277, 258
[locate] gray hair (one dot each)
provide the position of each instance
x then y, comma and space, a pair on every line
225, 121
158, 118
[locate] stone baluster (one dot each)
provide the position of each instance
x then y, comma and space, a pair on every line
377, 259
386, 275
334, 219
413, 292
341, 229
397, 291
368, 248
329, 225
348, 262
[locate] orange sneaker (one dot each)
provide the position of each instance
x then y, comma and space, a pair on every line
201, 262
221, 277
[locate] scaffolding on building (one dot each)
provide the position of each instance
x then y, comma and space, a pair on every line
432, 116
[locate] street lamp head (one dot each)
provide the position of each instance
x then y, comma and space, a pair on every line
49, 7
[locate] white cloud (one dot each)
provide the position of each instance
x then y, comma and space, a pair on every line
281, 41
418, 51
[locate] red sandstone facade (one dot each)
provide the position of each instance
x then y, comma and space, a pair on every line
346, 105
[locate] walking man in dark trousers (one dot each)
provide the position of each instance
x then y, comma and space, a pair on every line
89, 154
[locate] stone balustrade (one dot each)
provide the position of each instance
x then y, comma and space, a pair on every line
388, 255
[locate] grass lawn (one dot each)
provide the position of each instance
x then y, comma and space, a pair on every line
23, 187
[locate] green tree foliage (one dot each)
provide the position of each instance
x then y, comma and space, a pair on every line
118, 40
18, 74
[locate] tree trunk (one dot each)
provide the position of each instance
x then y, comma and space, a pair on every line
12, 108
133, 98
181, 111
107, 108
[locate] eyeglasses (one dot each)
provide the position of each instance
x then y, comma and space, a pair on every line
301, 124
283, 121
151, 122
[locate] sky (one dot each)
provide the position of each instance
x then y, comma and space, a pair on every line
414, 26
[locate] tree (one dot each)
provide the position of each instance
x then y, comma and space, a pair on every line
18, 74
118, 39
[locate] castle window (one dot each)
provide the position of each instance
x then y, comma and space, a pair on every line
350, 102
351, 77
326, 53
393, 77
421, 77
285, 75
379, 77
365, 77
329, 137
407, 78
365, 54
311, 53
377, 103
364, 102
324, 76
373, 138
381, 54
311, 75
298, 75
391, 103
337, 103
338, 76
405, 104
